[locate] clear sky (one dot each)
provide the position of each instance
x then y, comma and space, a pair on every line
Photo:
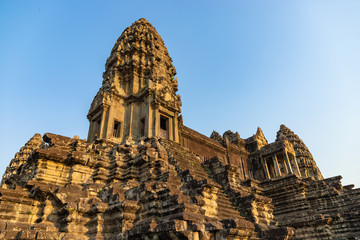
240, 64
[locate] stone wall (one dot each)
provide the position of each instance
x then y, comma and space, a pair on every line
228, 152
202, 145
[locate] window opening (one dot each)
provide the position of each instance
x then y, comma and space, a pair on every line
164, 127
116, 132
271, 167
281, 163
142, 127
97, 128
292, 161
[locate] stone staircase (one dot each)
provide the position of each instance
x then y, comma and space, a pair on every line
199, 186
255, 207
317, 209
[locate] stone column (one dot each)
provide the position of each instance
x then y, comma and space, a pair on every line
149, 121
131, 108
287, 171
283, 163
171, 128
296, 170
266, 169
176, 128
287, 161
157, 121
91, 129
276, 166
102, 125
107, 123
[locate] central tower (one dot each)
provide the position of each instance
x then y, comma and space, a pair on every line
138, 93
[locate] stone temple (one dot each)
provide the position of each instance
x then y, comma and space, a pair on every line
142, 174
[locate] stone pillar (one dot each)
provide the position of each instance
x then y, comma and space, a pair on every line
157, 122
287, 161
130, 120
149, 122
276, 166
107, 124
266, 169
102, 125
171, 128
283, 163
296, 170
91, 129
176, 128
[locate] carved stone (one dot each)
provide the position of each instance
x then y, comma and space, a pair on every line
142, 174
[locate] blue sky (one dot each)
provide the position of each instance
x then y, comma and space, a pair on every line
240, 64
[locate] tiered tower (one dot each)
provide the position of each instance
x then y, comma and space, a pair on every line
138, 93
175, 183
307, 164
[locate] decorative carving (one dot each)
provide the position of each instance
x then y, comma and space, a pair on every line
148, 187
306, 162
138, 70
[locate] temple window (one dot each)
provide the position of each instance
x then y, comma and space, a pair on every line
142, 127
292, 161
164, 127
97, 125
117, 126
271, 167
281, 163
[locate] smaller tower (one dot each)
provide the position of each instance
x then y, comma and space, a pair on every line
305, 160
138, 93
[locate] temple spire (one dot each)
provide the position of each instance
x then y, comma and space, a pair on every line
306, 162
138, 93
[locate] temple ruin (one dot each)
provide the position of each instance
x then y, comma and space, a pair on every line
142, 174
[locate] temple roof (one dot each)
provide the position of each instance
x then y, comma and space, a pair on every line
139, 61
141, 44
306, 161
139, 65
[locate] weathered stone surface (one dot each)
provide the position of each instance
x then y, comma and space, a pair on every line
138, 90
306, 162
22, 156
142, 174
